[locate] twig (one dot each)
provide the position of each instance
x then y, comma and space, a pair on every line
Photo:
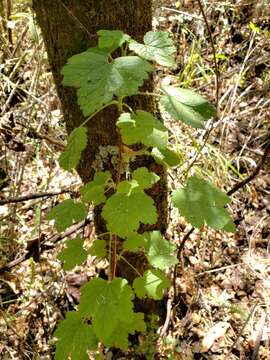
259, 336
180, 248
168, 316
243, 327
53, 239
254, 173
33, 196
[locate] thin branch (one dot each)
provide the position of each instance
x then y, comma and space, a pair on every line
213, 51
53, 239
33, 196
254, 173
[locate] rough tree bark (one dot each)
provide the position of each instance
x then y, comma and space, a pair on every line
69, 27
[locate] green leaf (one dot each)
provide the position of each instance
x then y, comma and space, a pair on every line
126, 187
145, 178
201, 202
142, 127
76, 143
66, 213
157, 47
166, 157
99, 80
74, 338
134, 241
111, 39
124, 214
187, 106
111, 308
159, 250
74, 254
94, 190
98, 248
151, 284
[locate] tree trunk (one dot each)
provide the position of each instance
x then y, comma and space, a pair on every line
69, 27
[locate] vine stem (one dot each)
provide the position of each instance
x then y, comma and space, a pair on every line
115, 238
114, 102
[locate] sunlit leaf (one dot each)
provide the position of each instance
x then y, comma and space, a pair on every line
153, 283
142, 127
187, 106
99, 79
157, 47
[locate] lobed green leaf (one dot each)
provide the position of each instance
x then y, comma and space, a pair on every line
142, 127
201, 202
74, 254
75, 337
98, 80
123, 214
153, 283
157, 47
94, 190
111, 308
187, 106
66, 213
159, 251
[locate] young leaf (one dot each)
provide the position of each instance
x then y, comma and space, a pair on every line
74, 254
201, 202
157, 47
165, 157
126, 187
145, 178
159, 250
94, 190
124, 214
151, 284
111, 308
98, 248
142, 127
66, 213
76, 143
74, 338
111, 39
187, 106
99, 80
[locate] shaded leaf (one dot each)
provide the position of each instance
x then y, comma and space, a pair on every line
166, 157
111, 308
74, 338
123, 214
76, 143
159, 251
98, 248
74, 254
134, 241
94, 190
66, 213
201, 202
111, 39
145, 178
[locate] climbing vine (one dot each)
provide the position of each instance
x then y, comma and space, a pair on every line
106, 313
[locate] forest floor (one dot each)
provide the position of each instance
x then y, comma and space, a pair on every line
221, 300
